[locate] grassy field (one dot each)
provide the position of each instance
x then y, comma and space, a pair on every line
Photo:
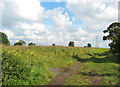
96, 65
29, 65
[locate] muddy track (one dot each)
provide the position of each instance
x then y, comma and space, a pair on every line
59, 79
96, 80
71, 70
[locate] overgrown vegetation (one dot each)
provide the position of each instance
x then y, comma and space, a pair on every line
71, 43
114, 35
29, 65
20, 42
31, 44
4, 39
98, 63
53, 44
89, 45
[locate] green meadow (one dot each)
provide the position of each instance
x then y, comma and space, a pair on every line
29, 65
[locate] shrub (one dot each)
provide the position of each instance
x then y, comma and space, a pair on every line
71, 43
31, 44
89, 45
53, 44
21, 42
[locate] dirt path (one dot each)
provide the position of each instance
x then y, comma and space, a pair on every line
71, 70
96, 80
59, 79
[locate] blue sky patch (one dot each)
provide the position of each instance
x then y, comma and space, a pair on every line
52, 5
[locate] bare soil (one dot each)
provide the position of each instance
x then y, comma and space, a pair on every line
69, 71
96, 80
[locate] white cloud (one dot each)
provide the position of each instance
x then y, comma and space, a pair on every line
22, 11
81, 32
9, 33
29, 9
61, 21
96, 16
94, 13
25, 19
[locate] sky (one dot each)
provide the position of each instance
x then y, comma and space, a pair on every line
57, 21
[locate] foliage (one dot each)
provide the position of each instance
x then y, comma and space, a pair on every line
77, 79
88, 45
71, 43
4, 39
114, 36
30, 65
21, 42
31, 44
97, 63
53, 44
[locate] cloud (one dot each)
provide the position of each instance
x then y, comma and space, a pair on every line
21, 11
94, 15
29, 9
22, 19
1, 6
60, 18
9, 33
30, 22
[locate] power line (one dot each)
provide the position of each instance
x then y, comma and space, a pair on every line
97, 42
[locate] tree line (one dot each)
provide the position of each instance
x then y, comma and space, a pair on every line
113, 34
4, 40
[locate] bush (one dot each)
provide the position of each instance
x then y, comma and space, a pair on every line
53, 44
89, 45
21, 42
71, 43
31, 44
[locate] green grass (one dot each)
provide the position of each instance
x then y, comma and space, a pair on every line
29, 65
77, 80
99, 63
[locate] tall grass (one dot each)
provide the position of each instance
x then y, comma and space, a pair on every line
29, 65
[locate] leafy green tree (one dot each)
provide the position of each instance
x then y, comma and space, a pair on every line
114, 35
88, 45
31, 44
21, 42
4, 39
71, 43
53, 44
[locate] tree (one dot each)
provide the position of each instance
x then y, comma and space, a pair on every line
4, 39
31, 44
114, 35
53, 44
21, 42
88, 45
71, 43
